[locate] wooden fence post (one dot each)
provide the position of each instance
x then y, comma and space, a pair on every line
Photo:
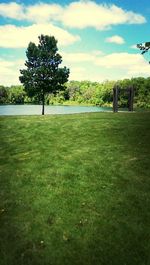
115, 99
131, 98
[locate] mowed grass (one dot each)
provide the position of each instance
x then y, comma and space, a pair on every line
75, 189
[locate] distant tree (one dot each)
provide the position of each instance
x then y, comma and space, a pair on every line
73, 90
43, 74
16, 94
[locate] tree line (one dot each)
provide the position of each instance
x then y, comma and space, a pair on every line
84, 93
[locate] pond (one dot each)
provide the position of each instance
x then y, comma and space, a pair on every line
37, 109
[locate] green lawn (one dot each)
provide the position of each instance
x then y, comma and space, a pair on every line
75, 189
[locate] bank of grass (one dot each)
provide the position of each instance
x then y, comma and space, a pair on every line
72, 103
76, 103
75, 189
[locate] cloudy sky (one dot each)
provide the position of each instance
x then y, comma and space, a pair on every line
97, 39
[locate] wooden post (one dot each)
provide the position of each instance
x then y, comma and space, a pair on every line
131, 97
43, 102
115, 99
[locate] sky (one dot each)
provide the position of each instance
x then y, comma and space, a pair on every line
97, 39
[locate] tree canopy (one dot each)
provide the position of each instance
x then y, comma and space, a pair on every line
43, 74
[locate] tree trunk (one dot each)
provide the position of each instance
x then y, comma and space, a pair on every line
131, 98
115, 99
43, 102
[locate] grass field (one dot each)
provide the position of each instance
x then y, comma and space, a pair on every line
75, 189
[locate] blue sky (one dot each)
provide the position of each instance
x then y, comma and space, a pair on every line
97, 39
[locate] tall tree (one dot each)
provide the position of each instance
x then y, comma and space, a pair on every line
43, 74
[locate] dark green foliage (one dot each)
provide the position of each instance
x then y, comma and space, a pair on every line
3, 95
74, 189
43, 74
13, 94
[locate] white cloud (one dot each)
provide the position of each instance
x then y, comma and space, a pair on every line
79, 14
19, 37
84, 14
81, 57
78, 57
110, 66
44, 12
133, 46
9, 72
132, 64
81, 76
139, 70
12, 10
77, 73
115, 39
122, 60
100, 16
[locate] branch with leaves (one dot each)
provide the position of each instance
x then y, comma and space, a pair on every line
144, 47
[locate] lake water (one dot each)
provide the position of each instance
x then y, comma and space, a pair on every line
37, 109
